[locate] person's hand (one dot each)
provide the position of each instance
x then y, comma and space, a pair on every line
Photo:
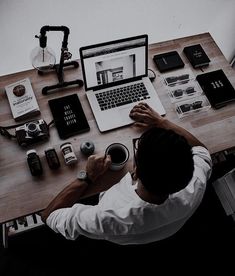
97, 166
144, 116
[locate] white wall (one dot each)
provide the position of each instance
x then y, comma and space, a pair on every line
92, 21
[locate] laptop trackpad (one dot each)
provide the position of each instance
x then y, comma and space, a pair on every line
124, 114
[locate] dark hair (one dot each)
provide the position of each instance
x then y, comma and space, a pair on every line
164, 161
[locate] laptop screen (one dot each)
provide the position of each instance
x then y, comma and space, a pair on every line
114, 62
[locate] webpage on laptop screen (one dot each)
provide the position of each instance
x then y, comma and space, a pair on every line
114, 62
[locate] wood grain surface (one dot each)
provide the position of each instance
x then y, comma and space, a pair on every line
22, 194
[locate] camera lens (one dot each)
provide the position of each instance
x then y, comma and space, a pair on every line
32, 129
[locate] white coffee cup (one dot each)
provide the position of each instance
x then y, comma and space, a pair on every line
119, 155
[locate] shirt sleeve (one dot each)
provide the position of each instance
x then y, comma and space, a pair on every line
202, 163
192, 194
75, 221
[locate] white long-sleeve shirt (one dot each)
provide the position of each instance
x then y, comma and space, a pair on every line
122, 217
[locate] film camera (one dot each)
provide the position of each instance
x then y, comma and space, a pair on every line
32, 132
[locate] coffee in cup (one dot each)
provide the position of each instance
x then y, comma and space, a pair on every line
119, 155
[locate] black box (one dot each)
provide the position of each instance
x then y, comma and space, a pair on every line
168, 61
217, 88
196, 56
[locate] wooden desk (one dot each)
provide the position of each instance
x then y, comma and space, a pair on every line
21, 194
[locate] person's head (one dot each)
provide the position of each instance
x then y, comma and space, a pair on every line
164, 161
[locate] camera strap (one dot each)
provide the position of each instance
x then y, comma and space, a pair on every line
4, 130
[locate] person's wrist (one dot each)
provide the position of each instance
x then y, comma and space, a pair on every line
163, 123
92, 177
92, 174
85, 177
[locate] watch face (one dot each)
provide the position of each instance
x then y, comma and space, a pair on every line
82, 175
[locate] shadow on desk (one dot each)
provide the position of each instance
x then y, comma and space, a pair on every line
206, 239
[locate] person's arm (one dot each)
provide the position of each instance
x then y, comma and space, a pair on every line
96, 166
144, 116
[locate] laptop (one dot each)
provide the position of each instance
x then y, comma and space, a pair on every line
115, 75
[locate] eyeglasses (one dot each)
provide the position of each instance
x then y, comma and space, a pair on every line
187, 107
181, 78
179, 92
135, 143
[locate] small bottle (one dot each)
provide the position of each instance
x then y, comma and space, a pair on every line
34, 162
52, 158
68, 153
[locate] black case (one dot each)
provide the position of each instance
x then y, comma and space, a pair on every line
68, 115
217, 88
196, 56
168, 61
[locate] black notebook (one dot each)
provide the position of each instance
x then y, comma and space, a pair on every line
196, 56
168, 61
217, 88
68, 115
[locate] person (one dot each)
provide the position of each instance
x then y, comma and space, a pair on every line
151, 204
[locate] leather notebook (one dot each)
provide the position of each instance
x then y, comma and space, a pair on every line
217, 88
168, 61
69, 116
196, 56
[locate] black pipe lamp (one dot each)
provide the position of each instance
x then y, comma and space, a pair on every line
43, 58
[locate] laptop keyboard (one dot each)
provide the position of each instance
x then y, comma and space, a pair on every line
122, 96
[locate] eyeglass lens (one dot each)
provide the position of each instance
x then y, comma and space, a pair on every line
179, 92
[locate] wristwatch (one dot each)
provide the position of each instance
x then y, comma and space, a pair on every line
82, 175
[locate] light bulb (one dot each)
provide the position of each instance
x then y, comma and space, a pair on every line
43, 59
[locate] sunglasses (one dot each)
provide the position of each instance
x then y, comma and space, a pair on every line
182, 78
187, 107
179, 92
